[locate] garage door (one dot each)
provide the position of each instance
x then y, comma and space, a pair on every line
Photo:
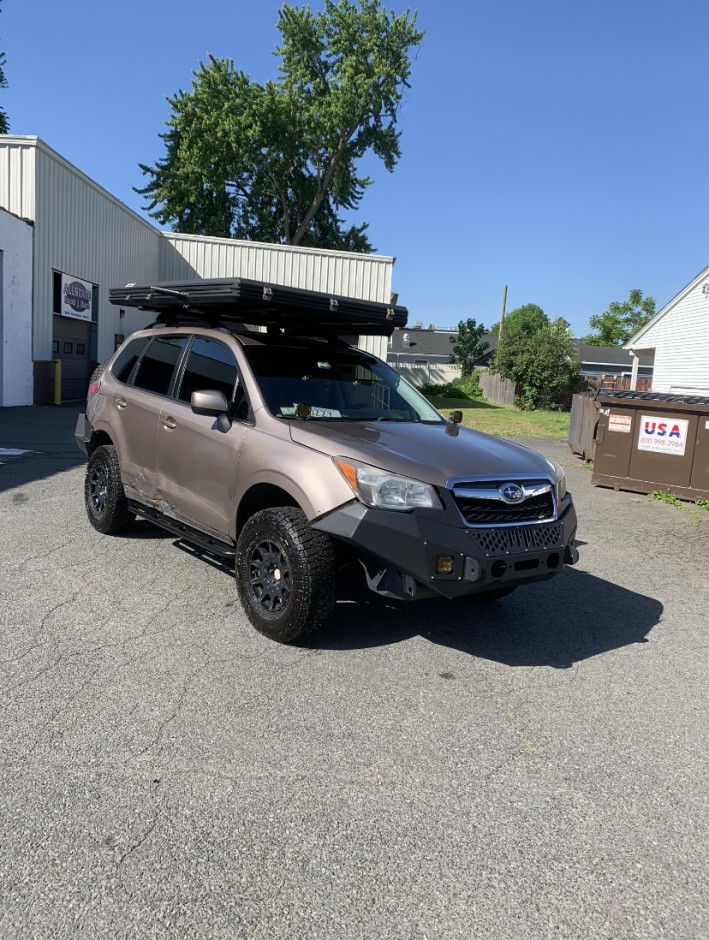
71, 346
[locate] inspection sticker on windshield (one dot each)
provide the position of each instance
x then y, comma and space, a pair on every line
663, 435
620, 423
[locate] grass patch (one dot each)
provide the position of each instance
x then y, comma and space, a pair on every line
666, 498
504, 422
670, 500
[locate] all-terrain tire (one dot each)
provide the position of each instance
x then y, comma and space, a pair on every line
285, 574
104, 496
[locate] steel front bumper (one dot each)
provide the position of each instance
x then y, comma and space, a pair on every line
407, 555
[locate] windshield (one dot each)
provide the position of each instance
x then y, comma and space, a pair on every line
337, 384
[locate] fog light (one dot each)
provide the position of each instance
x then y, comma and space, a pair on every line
444, 564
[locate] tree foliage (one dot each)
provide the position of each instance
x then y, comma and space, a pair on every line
468, 346
4, 123
277, 162
621, 320
529, 318
543, 365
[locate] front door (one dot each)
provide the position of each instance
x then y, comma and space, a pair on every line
196, 462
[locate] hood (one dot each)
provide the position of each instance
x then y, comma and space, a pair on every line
428, 452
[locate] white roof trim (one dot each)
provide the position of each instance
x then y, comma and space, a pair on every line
634, 340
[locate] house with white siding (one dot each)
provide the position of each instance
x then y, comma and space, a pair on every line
65, 242
678, 338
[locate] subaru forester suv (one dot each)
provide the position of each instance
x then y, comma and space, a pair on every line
245, 422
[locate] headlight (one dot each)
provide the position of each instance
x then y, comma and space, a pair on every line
559, 480
383, 490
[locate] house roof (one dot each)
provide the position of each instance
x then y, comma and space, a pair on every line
637, 340
607, 355
437, 343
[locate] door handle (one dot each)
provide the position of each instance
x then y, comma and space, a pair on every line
169, 423
121, 403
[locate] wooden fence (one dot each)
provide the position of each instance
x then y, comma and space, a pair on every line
501, 391
497, 389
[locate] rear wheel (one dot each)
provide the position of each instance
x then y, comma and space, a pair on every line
284, 574
104, 496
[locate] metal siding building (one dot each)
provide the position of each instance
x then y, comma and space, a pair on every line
678, 336
366, 277
83, 232
15, 310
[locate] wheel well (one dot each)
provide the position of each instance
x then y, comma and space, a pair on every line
97, 439
263, 496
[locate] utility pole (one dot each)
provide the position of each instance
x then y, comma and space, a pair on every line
502, 312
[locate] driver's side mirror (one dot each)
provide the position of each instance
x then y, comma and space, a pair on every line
214, 404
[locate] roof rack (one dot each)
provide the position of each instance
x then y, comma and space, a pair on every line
246, 301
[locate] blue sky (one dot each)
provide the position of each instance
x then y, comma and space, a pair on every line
556, 147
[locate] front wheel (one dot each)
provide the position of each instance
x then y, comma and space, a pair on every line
104, 496
284, 574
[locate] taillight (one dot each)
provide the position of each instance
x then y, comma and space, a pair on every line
93, 388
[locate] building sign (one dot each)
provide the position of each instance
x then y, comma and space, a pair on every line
619, 423
77, 298
663, 435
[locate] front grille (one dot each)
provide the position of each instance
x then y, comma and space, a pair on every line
490, 509
540, 538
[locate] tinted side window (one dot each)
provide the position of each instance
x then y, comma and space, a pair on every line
158, 364
127, 358
210, 365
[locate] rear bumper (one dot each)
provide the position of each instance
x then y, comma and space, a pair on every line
82, 434
402, 552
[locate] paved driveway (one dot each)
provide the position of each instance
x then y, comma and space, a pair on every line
533, 768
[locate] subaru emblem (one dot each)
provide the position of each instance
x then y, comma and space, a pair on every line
511, 493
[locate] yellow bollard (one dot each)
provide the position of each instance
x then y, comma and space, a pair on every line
57, 381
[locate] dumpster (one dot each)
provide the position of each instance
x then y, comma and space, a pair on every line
647, 441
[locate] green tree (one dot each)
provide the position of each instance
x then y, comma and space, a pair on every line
468, 345
543, 365
278, 162
621, 321
529, 318
4, 123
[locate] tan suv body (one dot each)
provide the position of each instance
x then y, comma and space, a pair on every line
296, 453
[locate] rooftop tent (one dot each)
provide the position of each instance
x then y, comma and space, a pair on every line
248, 301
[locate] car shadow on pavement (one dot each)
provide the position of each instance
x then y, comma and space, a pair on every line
557, 623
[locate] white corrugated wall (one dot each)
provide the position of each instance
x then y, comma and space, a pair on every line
84, 231
17, 173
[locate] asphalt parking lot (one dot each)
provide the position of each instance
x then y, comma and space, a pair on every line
528, 769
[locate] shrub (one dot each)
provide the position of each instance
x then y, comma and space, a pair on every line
466, 387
